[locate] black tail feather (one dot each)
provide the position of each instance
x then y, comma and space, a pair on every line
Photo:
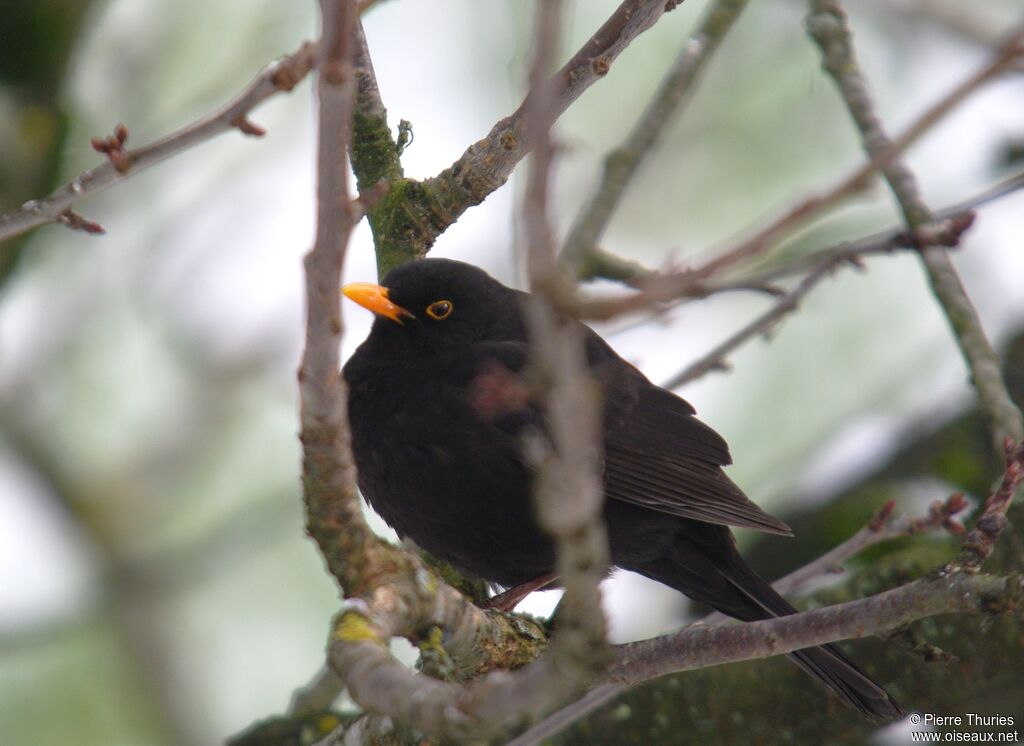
830, 666
716, 575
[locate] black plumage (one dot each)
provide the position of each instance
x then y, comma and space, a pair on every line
439, 405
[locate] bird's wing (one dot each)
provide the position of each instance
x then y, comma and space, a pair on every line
660, 456
657, 454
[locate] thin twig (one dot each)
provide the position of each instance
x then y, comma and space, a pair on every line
981, 539
561, 719
621, 164
827, 25
846, 254
882, 527
1008, 55
884, 242
488, 163
282, 75
659, 288
715, 358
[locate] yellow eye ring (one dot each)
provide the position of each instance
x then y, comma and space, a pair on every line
440, 309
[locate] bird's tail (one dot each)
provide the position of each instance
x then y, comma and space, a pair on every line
719, 577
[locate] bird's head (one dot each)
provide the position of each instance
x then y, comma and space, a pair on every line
436, 304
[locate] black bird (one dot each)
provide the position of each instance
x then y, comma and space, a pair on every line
438, 409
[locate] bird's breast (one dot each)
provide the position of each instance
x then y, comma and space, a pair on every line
436, 467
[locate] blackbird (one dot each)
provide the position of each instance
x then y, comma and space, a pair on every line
439, 405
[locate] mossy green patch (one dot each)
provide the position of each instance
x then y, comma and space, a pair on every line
434, 659
354, 627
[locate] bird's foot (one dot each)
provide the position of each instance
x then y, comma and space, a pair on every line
509, 599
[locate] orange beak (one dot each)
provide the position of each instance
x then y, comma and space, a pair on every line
374, 298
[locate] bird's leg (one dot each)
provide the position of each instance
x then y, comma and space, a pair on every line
509, 599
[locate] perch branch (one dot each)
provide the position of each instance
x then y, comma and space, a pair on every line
700, 646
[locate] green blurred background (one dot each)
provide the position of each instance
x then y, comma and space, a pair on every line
156, 586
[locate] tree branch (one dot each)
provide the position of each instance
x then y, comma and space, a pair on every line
659, 288
950, 589
831, 259
282, 75
826, 24
380, 579
979, 543
334, 516
1008, 55
569, 493
375, 157
319, 694
402, 606
701, 646
846, 254
428, 208
881, 527
622, 163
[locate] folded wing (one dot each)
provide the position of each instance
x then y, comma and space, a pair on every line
657, 453
660, 456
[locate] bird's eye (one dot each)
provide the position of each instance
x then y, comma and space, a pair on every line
440, 309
